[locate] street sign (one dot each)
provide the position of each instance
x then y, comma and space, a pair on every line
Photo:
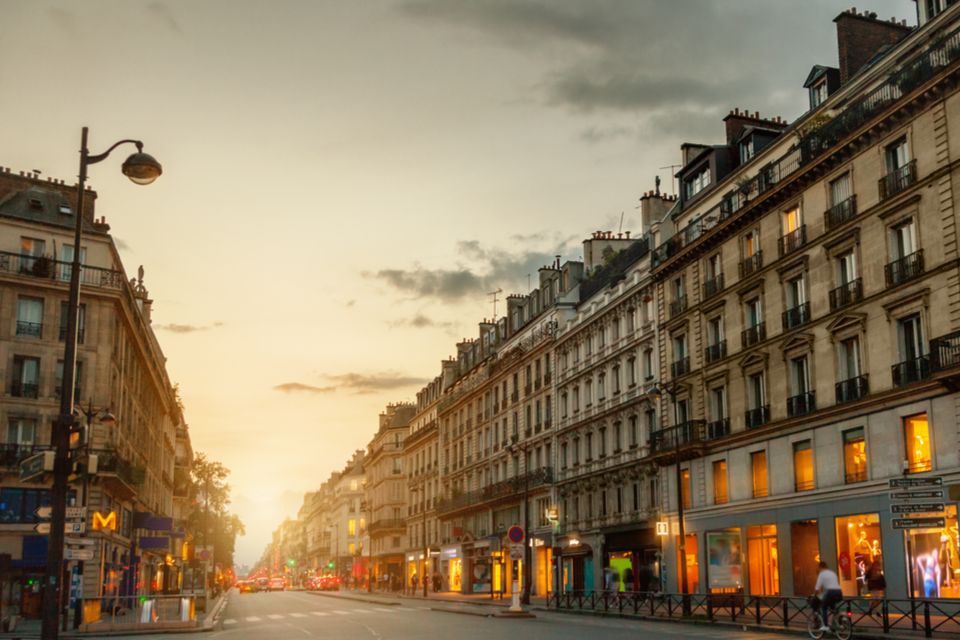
515, 534
82, 542
44, 513
919, 523
516, 552
663, 528
935, 494
920, 507
71, 527
205, 554
501, 527
897, 483
78, 554
35, 466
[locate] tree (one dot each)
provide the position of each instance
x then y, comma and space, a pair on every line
210, 517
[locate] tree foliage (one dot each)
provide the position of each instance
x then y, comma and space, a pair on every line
210, 517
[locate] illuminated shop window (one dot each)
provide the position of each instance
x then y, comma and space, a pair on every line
763, 560
855, 456
936, 565
858, 548
916, 430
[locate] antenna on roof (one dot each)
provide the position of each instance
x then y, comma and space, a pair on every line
673, 176
621, 223
494, 294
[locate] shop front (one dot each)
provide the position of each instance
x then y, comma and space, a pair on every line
543, 562
451, 567
481, 567
578, 567
634, 556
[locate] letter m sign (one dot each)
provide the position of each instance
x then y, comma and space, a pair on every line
104, 522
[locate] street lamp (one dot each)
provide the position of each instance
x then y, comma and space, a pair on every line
336, 554
525, 592
422, 489
654, 396
141, 168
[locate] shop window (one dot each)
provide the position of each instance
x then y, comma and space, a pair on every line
725, 573
805, 546
936, 565
916, 430
858, 547
763, 560
720, 482
351, 527
855, 455
693, 563
803, 466
685, 478
758, 461
18, 506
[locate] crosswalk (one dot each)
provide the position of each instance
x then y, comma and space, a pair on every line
320, 614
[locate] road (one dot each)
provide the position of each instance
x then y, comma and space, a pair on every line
297, 614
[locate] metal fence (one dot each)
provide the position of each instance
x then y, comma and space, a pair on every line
137, 612
867, 615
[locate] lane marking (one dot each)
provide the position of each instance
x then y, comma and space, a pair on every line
230, 621
405, 609
342, 613
253, 619
390, 610
274, 616
298, 615
320, 613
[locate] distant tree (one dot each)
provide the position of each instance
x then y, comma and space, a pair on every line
210, 518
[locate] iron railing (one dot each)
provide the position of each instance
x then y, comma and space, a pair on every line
793, 240
718, 429
898, 180
680, 367
752, 335
513, 487
757, 417
846, 294
911, 371
796, 317
852, 389
904, 269
389, 524
801, 404
716, 351
666, 440
109, 461
25, 390
678, 306
50, 269
713, 287
63, 335
945, 351
840, 213
751, 265
30, 329
11, 455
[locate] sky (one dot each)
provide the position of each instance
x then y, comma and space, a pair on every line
345, 181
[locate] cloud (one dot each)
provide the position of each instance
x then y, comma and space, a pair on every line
351, 303
121, 244
296, 387
186, 328
363, 384
420, 321
163, 15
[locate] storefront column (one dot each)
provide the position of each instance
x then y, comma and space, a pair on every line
785, 555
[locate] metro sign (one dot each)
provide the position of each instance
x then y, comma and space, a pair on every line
103, 522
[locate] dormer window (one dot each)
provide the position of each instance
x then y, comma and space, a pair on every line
65, 209
818, 94
35, 203
697, 182
746, 150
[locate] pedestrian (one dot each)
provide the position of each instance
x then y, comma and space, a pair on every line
828, 586
628, 580
413, 583
611, 581
876, 583
437, 582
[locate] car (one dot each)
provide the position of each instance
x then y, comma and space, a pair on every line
263, 584
248, 586
276, 584
330, 583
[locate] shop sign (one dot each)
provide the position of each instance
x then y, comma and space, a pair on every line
553, 514
725, 560
935, 494
919, 523
920, 507
844, 560
896, 483
663, 528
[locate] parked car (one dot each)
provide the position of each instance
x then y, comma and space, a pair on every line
276, 584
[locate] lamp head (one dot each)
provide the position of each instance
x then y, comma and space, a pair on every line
654, 394
107, 418
142, 168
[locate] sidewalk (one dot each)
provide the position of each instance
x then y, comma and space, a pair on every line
389, 598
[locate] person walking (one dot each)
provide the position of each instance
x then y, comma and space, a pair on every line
876, 583
828, 586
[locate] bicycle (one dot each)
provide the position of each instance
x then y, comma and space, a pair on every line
840, 625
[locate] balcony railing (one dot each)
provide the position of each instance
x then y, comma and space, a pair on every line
840, 213
801, 404
386, 525
77, 394
945, 351
512, 488
846, 294
904, 269
678, 306
856, 476
528, 389
753, 335
30, 329
796, 317
47, 268
547, 423
11, 455
852, 389
793, 240
751, 265
713, 287
680, 367
911, 371
803, 485
25, 390
668, 439
718, 429
109, 461
716, 351
898, 180
63, 335
757, 417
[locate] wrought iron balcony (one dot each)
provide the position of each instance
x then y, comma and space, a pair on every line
680, 367
528, 389
718, 429
25, 390
751, 265
50, 269
898, 180
796, 317
846, 294
678, 306
63, 335
757, 417
856, 476
504, 491
911, 371
30, 329
716, 351
713, 287
11, 455
840, 213
852, 389
384, 525
77, 394
801, 404
666, 440
753, 335
904, 269
793, 240
945, 352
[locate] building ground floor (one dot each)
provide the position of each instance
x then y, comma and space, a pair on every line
774, 549
622, 558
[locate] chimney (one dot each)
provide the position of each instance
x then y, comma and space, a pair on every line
860, 36
736, 121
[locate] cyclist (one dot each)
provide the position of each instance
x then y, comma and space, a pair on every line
828, 586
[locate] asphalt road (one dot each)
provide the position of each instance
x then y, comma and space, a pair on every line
295, 614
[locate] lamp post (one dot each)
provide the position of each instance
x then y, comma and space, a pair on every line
421, 487
336, 556
525, 592
142, 169
106, 418
654, 395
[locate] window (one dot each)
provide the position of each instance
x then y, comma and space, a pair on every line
840, 190
30, 318
632, 372
603, 443
353, 485
818, 93
576, 399
796, 292
746, 150
758, 466
896, 155
685, 477
913, 363
800, 376
802, 466
697, 182
616, 380
588, 392
26, 377
648, 364
751, 244
858, 537
850, 358
763, 560
617, 437
791, 220
33, 248
720, 482
563, 405
903, 240
681, 413
601, 387
66, 256
563, 455
854, 456
19, 505
351, 527
846, 268
588, 447
22, 431
634, 437
753, 313
352, 548
718, 404
713, 266
576, 451
906, 259
916, 431
756, 392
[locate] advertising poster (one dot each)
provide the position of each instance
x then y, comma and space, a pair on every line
725, 560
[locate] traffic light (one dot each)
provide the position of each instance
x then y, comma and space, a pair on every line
330, 565
292, 562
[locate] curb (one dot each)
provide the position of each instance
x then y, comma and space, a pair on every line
357, 598
211, 617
